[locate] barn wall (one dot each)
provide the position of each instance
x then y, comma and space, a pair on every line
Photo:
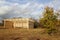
31, 24
25, 24
8, 24
21, 23
18, 23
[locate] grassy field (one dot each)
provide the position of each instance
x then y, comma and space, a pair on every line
26, 34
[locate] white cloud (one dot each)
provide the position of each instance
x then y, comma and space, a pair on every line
8, 9
4, 9
29, 8
55, 4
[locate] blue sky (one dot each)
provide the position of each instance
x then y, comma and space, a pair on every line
26, 8
25, 1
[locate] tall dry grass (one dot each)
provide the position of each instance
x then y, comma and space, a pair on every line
26, 34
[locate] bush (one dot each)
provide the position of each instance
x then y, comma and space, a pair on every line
51, 31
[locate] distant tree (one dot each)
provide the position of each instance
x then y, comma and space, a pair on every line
36, 24
49, 19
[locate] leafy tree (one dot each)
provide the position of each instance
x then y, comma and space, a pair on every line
49, 19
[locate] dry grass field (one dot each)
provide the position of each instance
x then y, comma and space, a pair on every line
26, 34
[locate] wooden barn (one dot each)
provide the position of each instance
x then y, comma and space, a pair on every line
19, 23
